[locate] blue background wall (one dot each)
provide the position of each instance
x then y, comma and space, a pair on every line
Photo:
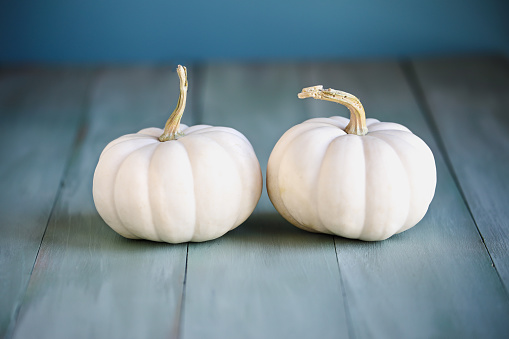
157, 30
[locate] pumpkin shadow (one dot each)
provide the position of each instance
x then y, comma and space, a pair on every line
265, 224
270, 229
267, 229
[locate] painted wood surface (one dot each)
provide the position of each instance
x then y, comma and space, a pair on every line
436, 279
265, 279
88, 281
40, 114
469, 99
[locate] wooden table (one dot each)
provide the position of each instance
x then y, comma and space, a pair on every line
65, 274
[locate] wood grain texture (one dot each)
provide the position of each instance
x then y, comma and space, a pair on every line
469, 99
266, 279
436, 279
40, 113
89, 282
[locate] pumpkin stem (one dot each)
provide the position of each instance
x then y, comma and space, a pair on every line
172, 127
357, 124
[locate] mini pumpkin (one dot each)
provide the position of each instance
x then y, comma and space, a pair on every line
357, 178
177, 185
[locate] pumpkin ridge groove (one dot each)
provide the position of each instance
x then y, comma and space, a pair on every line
112, 197
295, 221
211, 139
309, 225
363, 140
278, 162
115, 207
195, 224
419, 141
149, 193
242, 196
405, 170
314, 129
115, 186
368, 208
317, 185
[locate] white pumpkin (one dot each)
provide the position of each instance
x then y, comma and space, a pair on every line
357, 178
177, 185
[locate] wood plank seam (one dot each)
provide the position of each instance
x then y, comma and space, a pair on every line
417, 89
349, 321
74, 150
180, 316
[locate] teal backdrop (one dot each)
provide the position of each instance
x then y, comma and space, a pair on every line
112, 31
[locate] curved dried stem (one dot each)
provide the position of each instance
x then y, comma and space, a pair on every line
172, 127
357, 124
